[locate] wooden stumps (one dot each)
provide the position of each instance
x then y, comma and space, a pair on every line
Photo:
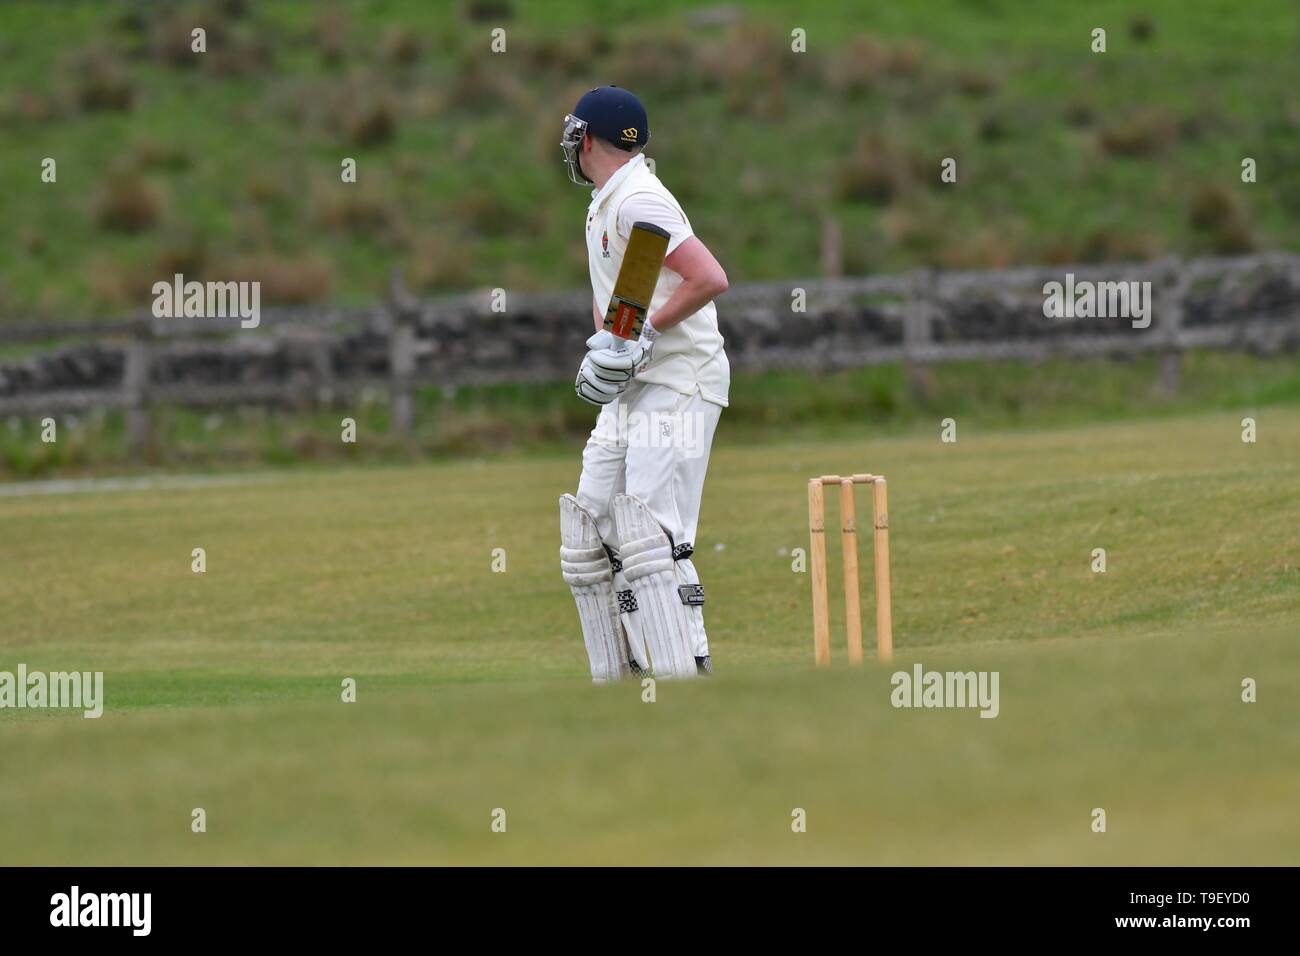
849, 547
884, 606
849, 551
817, 571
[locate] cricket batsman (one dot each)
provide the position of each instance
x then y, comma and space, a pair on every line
628, 535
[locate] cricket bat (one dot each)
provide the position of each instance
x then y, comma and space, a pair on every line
637, 278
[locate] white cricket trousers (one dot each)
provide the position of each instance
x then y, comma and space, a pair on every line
653, 443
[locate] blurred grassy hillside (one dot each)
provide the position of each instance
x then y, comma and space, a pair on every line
227, 163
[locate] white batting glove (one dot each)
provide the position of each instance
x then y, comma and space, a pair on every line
611, 361
594, 387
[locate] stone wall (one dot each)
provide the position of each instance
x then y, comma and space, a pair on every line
1250, 303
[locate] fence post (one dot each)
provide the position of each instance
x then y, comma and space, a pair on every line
832, 247
403, 311
917, 335
1171, 325
135, 387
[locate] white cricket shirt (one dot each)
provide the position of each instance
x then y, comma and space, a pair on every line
689, 357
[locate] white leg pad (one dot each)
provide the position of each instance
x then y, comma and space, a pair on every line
630, 619
686, 575
586, 568
647, 556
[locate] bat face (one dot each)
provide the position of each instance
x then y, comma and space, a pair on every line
637, 278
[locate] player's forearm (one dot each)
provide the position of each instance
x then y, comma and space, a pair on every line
691, 296
702, 279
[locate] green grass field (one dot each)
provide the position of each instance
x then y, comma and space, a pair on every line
1118, 690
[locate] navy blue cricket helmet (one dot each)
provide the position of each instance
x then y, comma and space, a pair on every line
610, 112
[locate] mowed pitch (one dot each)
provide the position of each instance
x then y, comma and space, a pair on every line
1118, 690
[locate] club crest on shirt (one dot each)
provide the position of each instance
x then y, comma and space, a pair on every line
604, 244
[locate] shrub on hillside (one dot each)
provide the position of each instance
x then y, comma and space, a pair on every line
1114, 244
987, 247
917, 227
858, 68
265, 188
240, 55
400, 45
993, 127
101, 83
171, 40
1139, 134
32, 240
474, 88
332, 29
234, 9
484, 11
30, 106
751, 67
364, 112
556, 54
151, 153
117, 285
127, 203
1216, 213
1079, 111
906, 59
439, 262
181, 250
876, 172
483, 212
1101, 244
361, 209
286, 280
1142, 29
975, 83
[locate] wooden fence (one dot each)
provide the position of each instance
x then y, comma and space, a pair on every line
321, 355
